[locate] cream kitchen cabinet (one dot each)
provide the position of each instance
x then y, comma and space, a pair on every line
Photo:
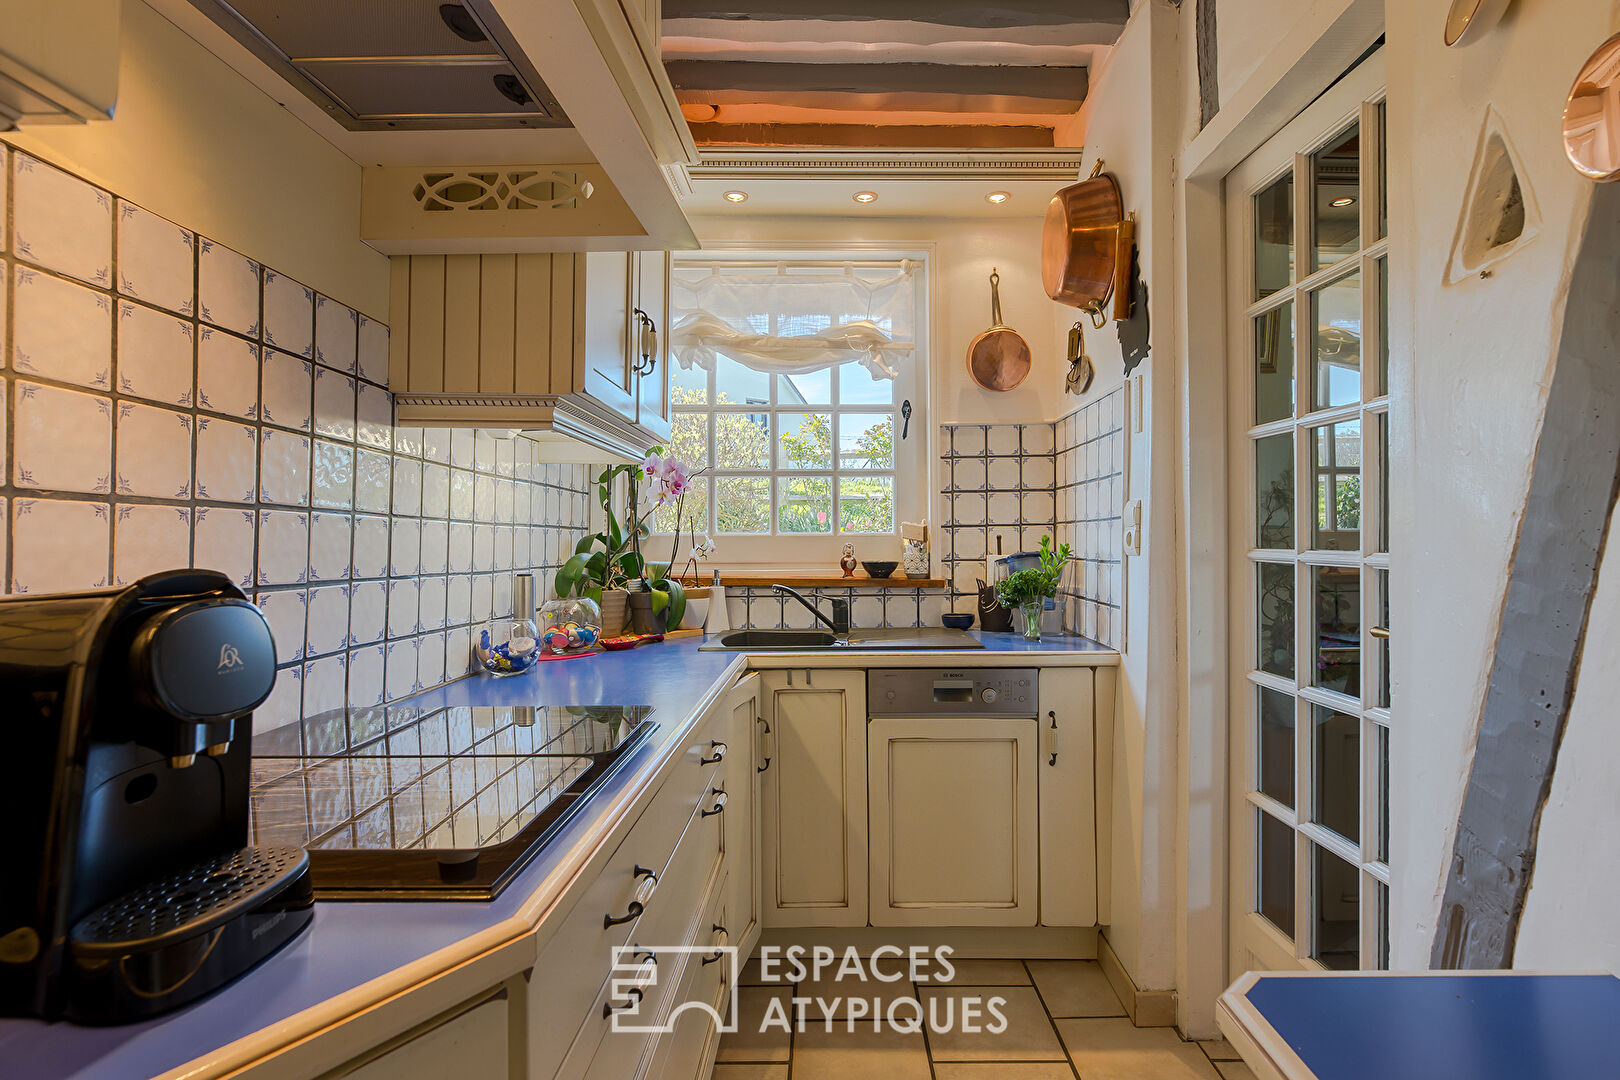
475, 1039
1068, 772
567, 345
748, 761
953, 837
813, 813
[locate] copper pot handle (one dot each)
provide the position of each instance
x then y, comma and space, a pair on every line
995, 297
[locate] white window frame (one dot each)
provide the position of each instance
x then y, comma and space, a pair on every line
801, 552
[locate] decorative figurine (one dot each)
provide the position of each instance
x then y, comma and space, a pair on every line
848, 561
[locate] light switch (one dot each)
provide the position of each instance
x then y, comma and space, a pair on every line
1133, 527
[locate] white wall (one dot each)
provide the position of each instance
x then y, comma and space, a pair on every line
197, 143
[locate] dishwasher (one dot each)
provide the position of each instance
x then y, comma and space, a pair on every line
952, 758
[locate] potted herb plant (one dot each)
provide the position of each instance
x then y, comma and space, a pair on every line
1026, 591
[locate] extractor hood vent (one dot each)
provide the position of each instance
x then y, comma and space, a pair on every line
408, 65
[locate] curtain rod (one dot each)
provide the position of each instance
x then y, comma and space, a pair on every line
876, 264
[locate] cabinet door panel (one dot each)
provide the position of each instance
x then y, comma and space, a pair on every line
607, 376
1068, 797
954, 833
652, 296
815, 801
742, 822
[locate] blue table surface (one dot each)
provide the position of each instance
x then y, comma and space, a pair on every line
351, 943
1467, 1026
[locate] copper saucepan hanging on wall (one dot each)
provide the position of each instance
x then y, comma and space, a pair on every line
999, 357
1080, 245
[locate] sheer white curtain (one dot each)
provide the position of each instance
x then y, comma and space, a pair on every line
793, 319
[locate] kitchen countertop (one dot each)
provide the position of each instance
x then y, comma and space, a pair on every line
352, 947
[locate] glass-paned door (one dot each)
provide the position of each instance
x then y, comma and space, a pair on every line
1309, 416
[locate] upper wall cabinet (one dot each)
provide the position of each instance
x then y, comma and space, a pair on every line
58, 61
569, 346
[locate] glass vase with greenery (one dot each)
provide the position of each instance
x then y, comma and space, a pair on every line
1027, 591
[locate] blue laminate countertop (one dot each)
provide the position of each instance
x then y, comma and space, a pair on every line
350, 944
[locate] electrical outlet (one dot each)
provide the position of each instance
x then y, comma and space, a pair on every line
1133, 527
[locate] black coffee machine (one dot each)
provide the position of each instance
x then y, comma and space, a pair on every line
130, 889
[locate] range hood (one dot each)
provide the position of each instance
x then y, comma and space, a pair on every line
408, 65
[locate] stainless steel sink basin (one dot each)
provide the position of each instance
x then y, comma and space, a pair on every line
778, 639
924, 637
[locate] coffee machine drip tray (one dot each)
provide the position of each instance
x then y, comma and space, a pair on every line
432, 804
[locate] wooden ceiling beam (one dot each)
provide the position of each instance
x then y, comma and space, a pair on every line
984, 14
1049, 83
882, 103
893, 136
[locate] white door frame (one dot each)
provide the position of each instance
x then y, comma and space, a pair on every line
1326, 42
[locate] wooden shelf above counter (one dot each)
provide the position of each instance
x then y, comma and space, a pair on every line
827, 581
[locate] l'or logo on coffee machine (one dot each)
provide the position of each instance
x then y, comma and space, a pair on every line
229, 658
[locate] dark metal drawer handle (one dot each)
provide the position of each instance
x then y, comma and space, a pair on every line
718, 756
634, 993
644, 892
719, 806
720, 939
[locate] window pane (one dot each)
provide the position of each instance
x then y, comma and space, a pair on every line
1336, 469
866, 504
1381, 733
804, 505
1338, 628
693, 510
866, 441
1276, 605
688, 386
1381, 640
1274, 364
1382, 423
737, 385
742, 504
1383, 187
1337, 171
1336, 314
1383, 326
1383, 926
812, 389
742, 440
1274, 491
1275, 848
689, 438
804, 441
856, 386
1336, 751
1274, 237
1277, 746
1337, 906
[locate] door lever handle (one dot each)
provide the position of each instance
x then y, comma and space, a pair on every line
1051, 737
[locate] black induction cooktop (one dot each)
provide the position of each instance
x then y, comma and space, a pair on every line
434, 804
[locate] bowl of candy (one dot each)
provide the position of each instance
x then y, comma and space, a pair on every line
569, 626
508, 645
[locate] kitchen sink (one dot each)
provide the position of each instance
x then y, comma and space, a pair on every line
923, 637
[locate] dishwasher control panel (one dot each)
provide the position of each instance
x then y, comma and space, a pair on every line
983, 691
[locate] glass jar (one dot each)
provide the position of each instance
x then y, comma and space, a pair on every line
569, 625
508, 645
1032, 611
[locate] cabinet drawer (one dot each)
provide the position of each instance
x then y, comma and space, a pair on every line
577, 961
688, 1050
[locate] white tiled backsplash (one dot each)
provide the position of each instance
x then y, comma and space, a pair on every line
1008, 485
870, 608
169, 402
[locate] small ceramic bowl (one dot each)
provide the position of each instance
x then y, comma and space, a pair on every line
958, 622
880, 568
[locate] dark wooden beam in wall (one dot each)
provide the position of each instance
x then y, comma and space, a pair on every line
1057, 84
987, 15
1209, 93
1568, 512
886, 136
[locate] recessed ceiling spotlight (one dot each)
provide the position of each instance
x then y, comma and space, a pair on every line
735, 196
865, 196
998, 197
1346, 200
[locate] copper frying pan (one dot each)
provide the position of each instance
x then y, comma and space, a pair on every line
1080, 243
999, 357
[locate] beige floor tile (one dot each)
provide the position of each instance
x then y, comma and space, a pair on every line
1075, 988
1234, 1070
1003, 1070
1028, 1034
862, 1054
1218, 1050
748, 1042
752, 976
750, 1072
986, 973
831, 996
1117, 1050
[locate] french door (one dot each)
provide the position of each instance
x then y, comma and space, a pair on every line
1307, 251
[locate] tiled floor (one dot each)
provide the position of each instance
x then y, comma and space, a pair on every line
1063, 1023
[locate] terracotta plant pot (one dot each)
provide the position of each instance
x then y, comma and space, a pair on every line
615, 611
